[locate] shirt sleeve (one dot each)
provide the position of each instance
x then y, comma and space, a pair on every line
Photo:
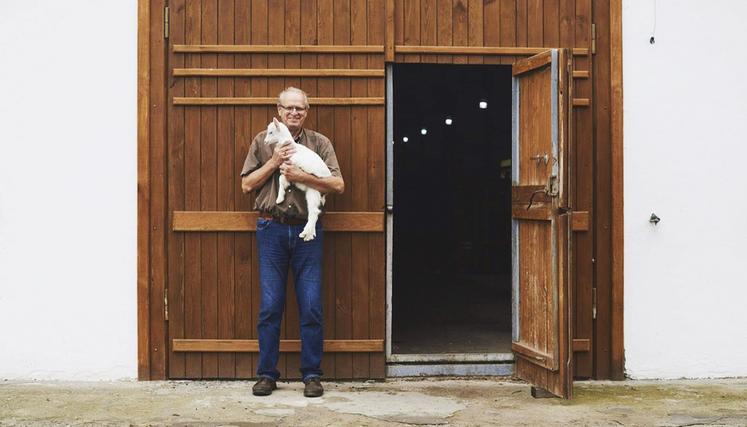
252, 161
327, 153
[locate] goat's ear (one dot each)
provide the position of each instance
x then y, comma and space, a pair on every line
277, 123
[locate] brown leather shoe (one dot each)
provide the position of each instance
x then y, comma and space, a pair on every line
313, 387
264, 387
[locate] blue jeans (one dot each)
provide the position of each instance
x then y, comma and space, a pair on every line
280, 247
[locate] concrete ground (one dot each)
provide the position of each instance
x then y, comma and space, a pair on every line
453, 402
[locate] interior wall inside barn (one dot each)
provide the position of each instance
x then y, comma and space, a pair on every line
452, 209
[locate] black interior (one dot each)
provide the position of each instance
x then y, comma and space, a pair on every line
452, 200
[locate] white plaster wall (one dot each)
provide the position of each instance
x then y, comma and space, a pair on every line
68, 84
685, 147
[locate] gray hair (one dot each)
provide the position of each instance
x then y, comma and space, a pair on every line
297, 90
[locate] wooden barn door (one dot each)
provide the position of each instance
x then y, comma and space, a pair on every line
227, 62
541, 226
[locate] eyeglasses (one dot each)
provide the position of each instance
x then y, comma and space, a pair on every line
293, 108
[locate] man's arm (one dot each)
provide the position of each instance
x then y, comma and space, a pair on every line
257, 178
330, 184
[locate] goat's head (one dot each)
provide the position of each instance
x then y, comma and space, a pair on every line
277, 132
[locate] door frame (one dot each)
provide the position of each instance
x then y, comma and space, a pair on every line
152, 218
429, 362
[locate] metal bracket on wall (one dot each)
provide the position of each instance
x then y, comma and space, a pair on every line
166, 22
593, 39
594, 303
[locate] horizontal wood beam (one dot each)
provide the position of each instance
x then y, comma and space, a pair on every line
233, 48
277, 72
288, 346
581, 345
481, 50
581, 74
273, 101
529, 64
581, 102
533, 214
361, 222
407, 49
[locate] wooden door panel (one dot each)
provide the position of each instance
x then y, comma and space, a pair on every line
213, 116
541, 286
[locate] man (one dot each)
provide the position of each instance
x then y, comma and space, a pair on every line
279, 246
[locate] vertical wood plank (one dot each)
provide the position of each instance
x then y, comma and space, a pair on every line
460, 28
143, 190
428, 28
602, 178
491, 28
508, 27
521, 22
412, 27
157, 165
342, 143
551, 24
326, 125
276, 36
445, 29
177, 360
583, 194
617, 363
359, 188
243, 254
226, 182
376, 151
292, 325
475, 25
208, 190
192, 173
399, 26
260, 116
535, 20
389, 39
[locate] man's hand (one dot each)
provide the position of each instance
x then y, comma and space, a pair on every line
282, 154
292, 172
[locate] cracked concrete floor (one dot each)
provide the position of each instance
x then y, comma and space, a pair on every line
454, 402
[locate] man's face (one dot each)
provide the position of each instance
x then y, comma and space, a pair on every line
292, 111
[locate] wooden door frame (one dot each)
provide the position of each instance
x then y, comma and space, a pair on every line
152, 217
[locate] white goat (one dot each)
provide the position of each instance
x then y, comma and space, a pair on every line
309, 162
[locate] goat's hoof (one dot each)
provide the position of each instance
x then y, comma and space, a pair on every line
307, 235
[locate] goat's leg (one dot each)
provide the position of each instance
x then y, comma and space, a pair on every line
282, 187
313, 204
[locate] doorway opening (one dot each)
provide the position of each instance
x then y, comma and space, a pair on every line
451, 216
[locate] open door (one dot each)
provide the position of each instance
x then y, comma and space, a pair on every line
541, 297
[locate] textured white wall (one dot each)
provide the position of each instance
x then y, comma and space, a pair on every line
68, 214
685, 147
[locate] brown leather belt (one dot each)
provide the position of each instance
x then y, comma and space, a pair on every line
282, 219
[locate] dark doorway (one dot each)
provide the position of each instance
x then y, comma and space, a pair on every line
451, 277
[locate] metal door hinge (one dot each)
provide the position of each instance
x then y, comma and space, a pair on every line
166, 304
593, 39
166, 22
593, 303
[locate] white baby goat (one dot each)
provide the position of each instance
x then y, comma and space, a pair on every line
309, 162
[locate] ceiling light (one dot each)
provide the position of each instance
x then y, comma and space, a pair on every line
448, 121
405, 139
483, 104
423, 131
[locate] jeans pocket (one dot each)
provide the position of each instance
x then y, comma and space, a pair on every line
263, 223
